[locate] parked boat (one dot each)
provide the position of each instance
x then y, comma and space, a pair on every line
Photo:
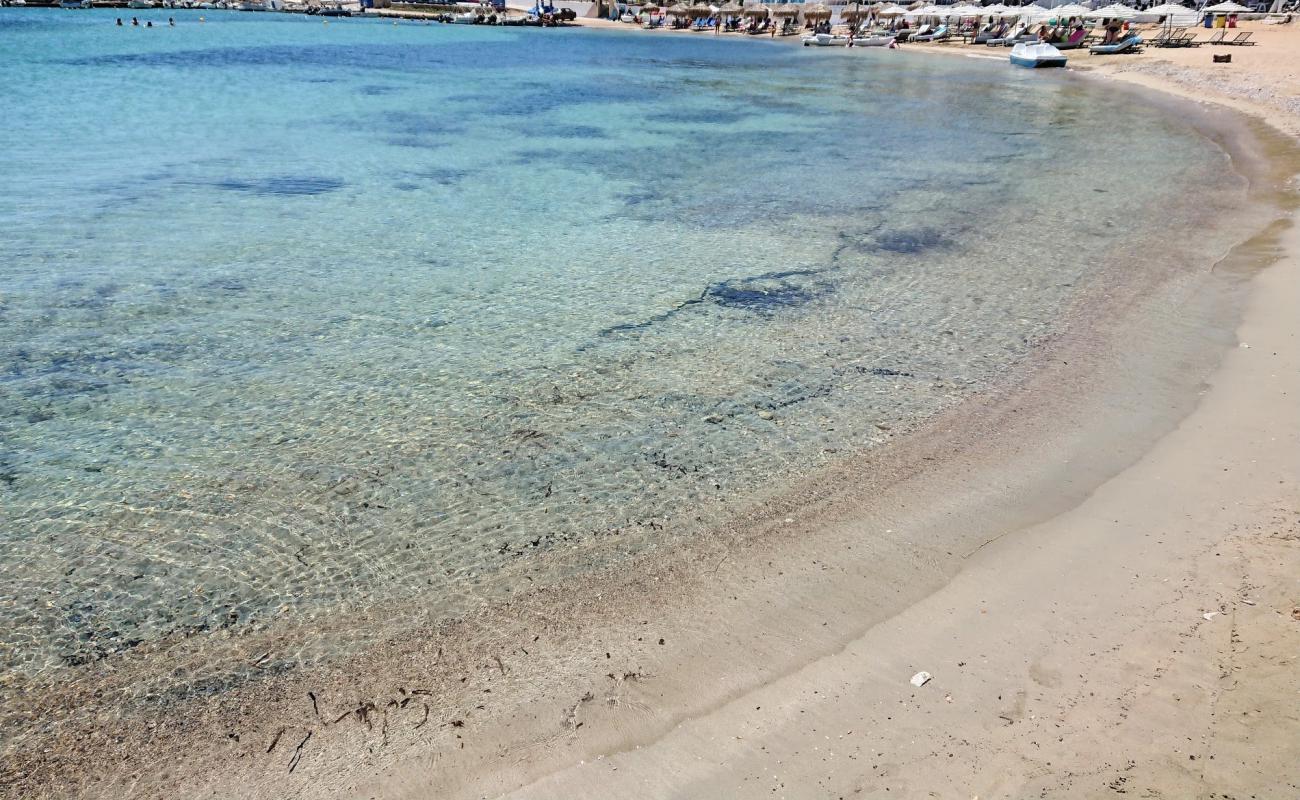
74, 3
140, 4
465, 18
1036, 55
825, 40
873, 41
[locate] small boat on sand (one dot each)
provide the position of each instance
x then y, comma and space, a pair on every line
873, 41
1036, 55
825, 40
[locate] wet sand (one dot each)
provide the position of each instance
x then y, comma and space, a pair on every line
1143, 641
1048, 553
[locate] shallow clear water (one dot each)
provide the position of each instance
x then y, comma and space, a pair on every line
300, 318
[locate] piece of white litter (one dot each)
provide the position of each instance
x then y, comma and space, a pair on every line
1249, 602
1211, 615
921, 679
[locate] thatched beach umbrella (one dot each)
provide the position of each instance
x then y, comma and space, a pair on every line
699, 12
679, 10
854, 14
819, 11
755, 11
784, 10
731, 9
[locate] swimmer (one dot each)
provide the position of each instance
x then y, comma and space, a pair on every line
119, 22
171, 23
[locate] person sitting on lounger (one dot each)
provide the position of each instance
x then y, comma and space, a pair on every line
1112, 32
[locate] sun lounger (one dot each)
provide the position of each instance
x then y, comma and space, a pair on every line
1166, 37
1181, 40
1009, 39
1216, 37
1130, 45
1242, 39
911, 35
1075, 41
939, 33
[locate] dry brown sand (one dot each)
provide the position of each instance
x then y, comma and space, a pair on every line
1144, 642
1049, 553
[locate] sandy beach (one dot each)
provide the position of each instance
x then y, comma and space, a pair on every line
1141, 642
1095, 566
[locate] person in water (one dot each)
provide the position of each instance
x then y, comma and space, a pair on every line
171, 22
149, 24
135, 23
119, 22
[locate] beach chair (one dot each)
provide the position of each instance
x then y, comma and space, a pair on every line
1162, 38
1075, 41
911, 35
1132, 44
1009, 39
1242, 39
939, 34
1180, 40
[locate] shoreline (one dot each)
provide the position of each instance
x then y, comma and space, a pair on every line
731, 750
640, 669
794, 737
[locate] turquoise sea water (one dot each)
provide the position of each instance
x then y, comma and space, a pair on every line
298, 319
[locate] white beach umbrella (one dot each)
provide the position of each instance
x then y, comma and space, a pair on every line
965, 11
1228, 7
925, 11
997, 9
1171, 13
1029, 13
891, 11
1167, 9
1112, 11
1069, 10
